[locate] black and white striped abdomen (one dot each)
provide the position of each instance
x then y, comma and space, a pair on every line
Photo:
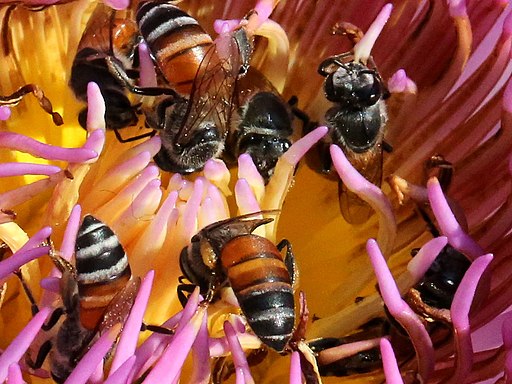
99, 255
176, 40
102, 269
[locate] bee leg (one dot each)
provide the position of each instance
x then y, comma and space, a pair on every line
44, 102
300, 114
184, 291
43, 352
325, 158
289, 260
54, 318
119, 73
428, 221
156, 329
30, 296
387, 146
438, 166
133, 138
336, 61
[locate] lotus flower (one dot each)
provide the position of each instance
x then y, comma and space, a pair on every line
446, 66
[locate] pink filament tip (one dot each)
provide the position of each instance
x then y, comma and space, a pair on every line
457, 8
5, 113
118, 4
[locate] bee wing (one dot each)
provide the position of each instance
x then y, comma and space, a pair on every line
253, 82
120, 306
212, 92
97, 31
221, 232
110, 32
368, 164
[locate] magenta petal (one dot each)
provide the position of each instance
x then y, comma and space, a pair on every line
425, 257
97, 377
147, 74
95, 142
171, 361
457, 8
5, 112
89, 362
123, 374
14, 374
402, 312
448, 223
245, 199
66, 251
300, 147
242, 371
95, 108
26, 144
117, 4
370, 193
17, 348
295, 369
247, 170
130, 334
18, 169
400, 83
460, 308
189, 216
389, 363
18, 259
36, 240
51, 284
362, 50
201, 356
68, 242
151, 349
220, 26
506, 330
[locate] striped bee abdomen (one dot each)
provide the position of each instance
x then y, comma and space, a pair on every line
102, 269
176, 40
262, 285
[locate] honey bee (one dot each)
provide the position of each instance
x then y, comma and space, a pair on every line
357, 122
227, 253
261, 125
361, 362
45, 103
107, 34
430, 298
199, 74
96, 295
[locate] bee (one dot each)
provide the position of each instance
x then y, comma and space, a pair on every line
96, 295
227, 253
430, 298
361, 362
45, 103
261, 125
199, 74
356, 121
107, 34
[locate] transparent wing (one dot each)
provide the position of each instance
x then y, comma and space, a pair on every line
120, 306
211, 98
110, 32
97, 30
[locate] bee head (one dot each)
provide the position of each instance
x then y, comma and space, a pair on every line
353, 84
